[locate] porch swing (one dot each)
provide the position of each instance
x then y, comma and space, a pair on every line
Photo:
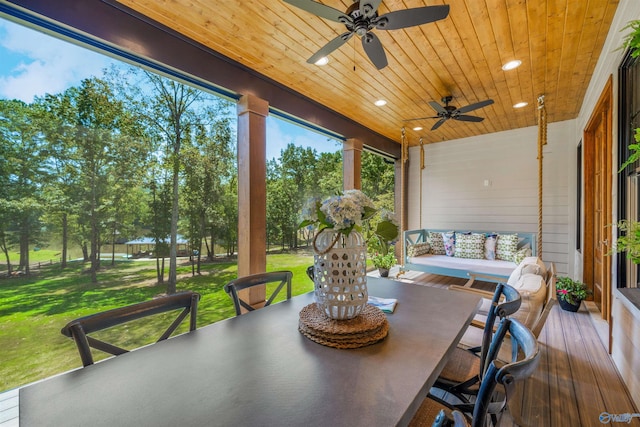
542, 141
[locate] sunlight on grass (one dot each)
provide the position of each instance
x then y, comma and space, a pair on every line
34, 309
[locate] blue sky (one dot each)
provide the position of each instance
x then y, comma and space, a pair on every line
33, 63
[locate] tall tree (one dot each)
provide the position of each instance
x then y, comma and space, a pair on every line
208, 165
169, 110
22, 175
61, 199
99, 153
378, 179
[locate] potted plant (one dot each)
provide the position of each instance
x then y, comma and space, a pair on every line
570, 293
384, 262
381, 236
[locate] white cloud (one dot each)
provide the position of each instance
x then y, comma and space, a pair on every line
46, 64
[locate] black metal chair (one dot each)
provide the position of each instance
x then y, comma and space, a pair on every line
466, 367
233, 288
79, 329
491, 400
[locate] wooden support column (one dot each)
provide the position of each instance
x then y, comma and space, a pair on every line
352, 164
252, 189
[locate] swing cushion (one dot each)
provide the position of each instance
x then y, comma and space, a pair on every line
507, 247
470, 245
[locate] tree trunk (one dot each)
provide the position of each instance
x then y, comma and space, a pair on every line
209, 248
173, 249
85, 251
94, 234
5, 250
159, 274
113, 245
65, 231
24, 246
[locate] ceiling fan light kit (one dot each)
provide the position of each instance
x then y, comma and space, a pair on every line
361, 18
446, 112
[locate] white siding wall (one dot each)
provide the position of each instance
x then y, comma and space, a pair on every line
454, 194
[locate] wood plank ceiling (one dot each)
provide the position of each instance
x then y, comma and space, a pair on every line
558, 42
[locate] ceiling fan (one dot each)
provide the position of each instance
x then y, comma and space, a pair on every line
446, 112
362, 17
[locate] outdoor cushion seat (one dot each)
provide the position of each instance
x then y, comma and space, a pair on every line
536, 285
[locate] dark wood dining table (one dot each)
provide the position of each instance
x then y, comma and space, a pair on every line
259, 370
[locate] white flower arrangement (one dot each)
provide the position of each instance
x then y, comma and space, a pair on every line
347, 212
342, 213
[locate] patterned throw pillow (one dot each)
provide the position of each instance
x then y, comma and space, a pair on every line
449, 239
490, 246
437, 244
470, 245
522, 253
418, 249
507, 247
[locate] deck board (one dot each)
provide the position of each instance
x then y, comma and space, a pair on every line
9, 408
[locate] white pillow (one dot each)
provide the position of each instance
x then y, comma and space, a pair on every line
533, 291
529, 265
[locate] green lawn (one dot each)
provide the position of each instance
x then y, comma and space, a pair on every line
33, 310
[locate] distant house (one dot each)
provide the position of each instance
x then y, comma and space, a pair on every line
145, 247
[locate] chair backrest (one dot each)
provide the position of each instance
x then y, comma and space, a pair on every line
550, 301
506, 301
234, 287
523, 343
79, 329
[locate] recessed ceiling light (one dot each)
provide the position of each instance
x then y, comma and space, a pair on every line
322, 61
417, 128
380, 102
521, 104
512, 64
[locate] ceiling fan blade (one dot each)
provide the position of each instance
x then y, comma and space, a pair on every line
421, 118
321, 10
330, 47
411, 17
439, 108
368, 8
374, 50
464, 118
475, 106
438, 123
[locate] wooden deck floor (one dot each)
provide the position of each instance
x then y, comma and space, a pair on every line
576, 380
575, 383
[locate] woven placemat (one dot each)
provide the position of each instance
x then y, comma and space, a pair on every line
369, 327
